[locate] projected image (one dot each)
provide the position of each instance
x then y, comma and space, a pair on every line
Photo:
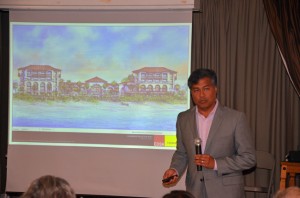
98, 79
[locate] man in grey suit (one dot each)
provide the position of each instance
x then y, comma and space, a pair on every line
226, 143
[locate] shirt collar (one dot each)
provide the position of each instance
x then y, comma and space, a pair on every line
212, 113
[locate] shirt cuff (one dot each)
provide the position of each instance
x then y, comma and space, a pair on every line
216, 165
175, 170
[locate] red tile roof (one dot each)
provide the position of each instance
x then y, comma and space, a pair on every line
154, 70
39, 68
96, 80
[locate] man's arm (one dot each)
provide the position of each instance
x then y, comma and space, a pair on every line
244, 158
180, 158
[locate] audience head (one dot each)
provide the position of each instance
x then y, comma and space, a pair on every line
178, 194
290, 192
49, 187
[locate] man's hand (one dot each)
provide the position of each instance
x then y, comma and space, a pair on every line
204, 160
170, 177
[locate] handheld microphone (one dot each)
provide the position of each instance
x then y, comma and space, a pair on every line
198, 151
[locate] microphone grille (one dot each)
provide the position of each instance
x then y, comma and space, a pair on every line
197, 141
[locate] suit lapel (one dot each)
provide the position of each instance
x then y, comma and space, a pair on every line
214, 127
193, 123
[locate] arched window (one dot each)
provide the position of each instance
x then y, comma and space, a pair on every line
35, 88
164, 88
142, 88
150, 88
49, 87
157, 88
28, 87
42, 87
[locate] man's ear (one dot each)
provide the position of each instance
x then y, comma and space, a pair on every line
192, 103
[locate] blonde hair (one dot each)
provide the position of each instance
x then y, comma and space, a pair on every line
49, 187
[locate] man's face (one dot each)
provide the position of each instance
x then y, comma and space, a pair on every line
204, 95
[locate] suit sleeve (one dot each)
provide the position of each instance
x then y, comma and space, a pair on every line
244, 155
180, 157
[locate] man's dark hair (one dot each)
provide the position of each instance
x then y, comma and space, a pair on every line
202, 73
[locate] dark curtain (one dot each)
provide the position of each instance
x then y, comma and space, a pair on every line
284, 19
3, 96
234, 38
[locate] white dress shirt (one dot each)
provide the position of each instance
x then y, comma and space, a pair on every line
203, 126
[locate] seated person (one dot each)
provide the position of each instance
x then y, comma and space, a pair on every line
49, 187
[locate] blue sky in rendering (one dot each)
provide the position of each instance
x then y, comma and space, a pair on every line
111, 52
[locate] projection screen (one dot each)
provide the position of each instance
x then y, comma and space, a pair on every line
94, 98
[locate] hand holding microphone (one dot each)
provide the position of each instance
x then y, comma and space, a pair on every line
202, 160
198, 151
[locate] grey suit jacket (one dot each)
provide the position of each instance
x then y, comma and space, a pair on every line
229, 142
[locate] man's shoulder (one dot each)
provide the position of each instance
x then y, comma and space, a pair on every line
230, 111
188, 111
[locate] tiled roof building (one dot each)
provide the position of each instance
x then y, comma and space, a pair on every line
38, 79
155, 79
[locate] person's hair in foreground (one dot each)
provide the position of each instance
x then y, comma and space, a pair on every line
178, 194
290, 192
49, 186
